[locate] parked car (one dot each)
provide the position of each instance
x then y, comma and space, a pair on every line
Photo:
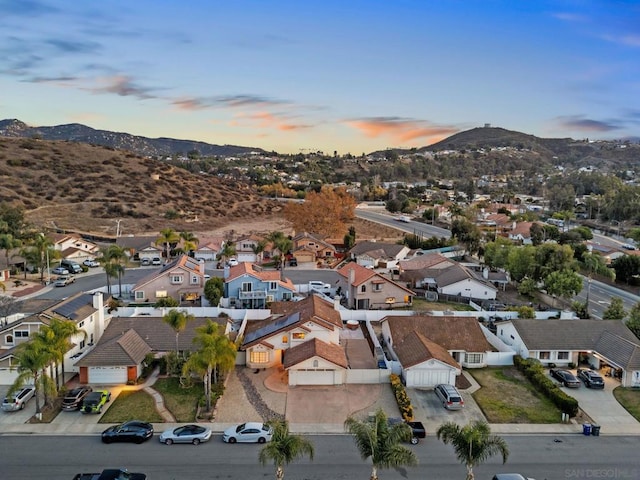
91, 263
95, 401
449, 396
73, 399
145, 262
134, 431
565, 377
250, 432
18, 400
60, 271
418, 430
194, 434
72, 266
510, 476
156, 261
64, 280
318, 286
591, 378
293, 262
232, 262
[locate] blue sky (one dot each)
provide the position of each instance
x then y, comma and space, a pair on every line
349, 75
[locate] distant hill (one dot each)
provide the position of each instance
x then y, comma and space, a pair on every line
76, 132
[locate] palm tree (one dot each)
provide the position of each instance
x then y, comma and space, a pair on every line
8, 242
216, 352
189, 242
168, 236
284, 447
229, 250
473, 443
283, 244
63, 331
378, 440
258, 248
32, 357
177, 320
39, 252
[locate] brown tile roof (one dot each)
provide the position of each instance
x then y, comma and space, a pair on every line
125, 350
315, 348
450, 332
390, 249
415, 349
424, 261
247, 268
363, 274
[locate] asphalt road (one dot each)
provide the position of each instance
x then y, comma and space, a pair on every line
336, 457
417, 228
600, 295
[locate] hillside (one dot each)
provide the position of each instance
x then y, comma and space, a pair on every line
81, 187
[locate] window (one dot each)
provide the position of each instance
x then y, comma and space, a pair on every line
247, 287
285, 339
473, 358
81, 324
563, 355
377, 287
176, 278
298, 335
82, 344
315, 364
287, 296
139, 295
273, 286
259, 357
8, 339
363, 288
21, 333
161, 294
194, 280
544, 355
91, 339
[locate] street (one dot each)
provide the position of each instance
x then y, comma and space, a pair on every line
336, 457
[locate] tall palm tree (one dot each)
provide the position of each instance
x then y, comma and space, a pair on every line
117, 255
216, 352
189, 242
473, 443
283, 244
228, 250
7, 243
32, 357
378, 440
63, 331
168, 236
177, 319
284, 447
258, 248
39, 252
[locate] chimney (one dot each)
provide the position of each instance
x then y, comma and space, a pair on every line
352, 277
336, 302
201, 266
485, 273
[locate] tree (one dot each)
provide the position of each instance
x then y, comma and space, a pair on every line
379, 441
167, 302
615, 310
39, 253
467, 233
595, 263
214, 290
228, 250
59, 339
32, 358
473, 443
284, 447
177, 320
521, 262
7, 243
168, 238
551, 257
189, 242
626, 267
113, 259
350, 238
326, 212
215, 351
563, 283
633, 322
283, 244
496, 254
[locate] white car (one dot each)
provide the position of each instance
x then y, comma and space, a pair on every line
318, 286
194, 434
91, 263
232, 262
19, 399
250, 432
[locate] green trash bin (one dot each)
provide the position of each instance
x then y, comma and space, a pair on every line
595, 430
586, 429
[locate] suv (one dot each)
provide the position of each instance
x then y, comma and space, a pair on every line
590, 378
145, 261
73, 398
95, 401
156, 261
73, 267
449, 396
18, 400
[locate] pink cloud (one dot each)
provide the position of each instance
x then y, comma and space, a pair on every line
401, 130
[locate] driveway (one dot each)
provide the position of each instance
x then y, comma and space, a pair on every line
20, 416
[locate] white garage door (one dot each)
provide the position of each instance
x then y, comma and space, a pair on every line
107, 375
8, 376
309, 377
427, 378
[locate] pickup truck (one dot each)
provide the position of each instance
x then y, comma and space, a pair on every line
417, 429
111, 474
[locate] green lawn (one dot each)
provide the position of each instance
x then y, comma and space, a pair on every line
132, 405
629, 398
421, 304
180, 401
507, 396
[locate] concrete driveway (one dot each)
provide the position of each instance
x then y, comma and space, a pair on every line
19, 416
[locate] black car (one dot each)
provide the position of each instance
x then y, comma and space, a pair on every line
565, 377
590, 378
132, 431
73, 399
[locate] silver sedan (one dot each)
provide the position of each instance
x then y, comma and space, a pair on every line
194, 434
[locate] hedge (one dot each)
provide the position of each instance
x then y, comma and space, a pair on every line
402, 399
533, 370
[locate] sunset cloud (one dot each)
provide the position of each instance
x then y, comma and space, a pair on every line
122, 85
581, 123
274, 121
401, 129
226, 101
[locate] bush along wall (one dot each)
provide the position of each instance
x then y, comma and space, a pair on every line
533, 370
402, 399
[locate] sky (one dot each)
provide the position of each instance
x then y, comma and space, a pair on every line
349, 76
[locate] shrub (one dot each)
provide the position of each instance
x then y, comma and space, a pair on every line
404, 403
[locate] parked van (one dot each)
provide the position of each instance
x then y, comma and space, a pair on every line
449, 396
73, 267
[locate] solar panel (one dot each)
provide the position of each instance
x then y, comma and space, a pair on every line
273, 327
69, 309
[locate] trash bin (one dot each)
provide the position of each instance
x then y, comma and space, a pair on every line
586, 429
595, 430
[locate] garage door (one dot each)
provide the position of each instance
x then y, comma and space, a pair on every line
8, 376
309, 377
427, 378
246, 257
107, 375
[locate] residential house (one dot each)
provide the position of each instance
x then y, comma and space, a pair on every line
248, 286
594, 343
74, 247
141, 247
420, 269
246, 249
364, 289
119, 355
85, 309
434, 349
378, 254
607, 252
209, 250
306, 243
521, 233
459, 281
182, 279
303, 337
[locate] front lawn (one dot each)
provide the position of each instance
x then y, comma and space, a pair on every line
180, 401
507, 396
421, 304
629, 398
132, 405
